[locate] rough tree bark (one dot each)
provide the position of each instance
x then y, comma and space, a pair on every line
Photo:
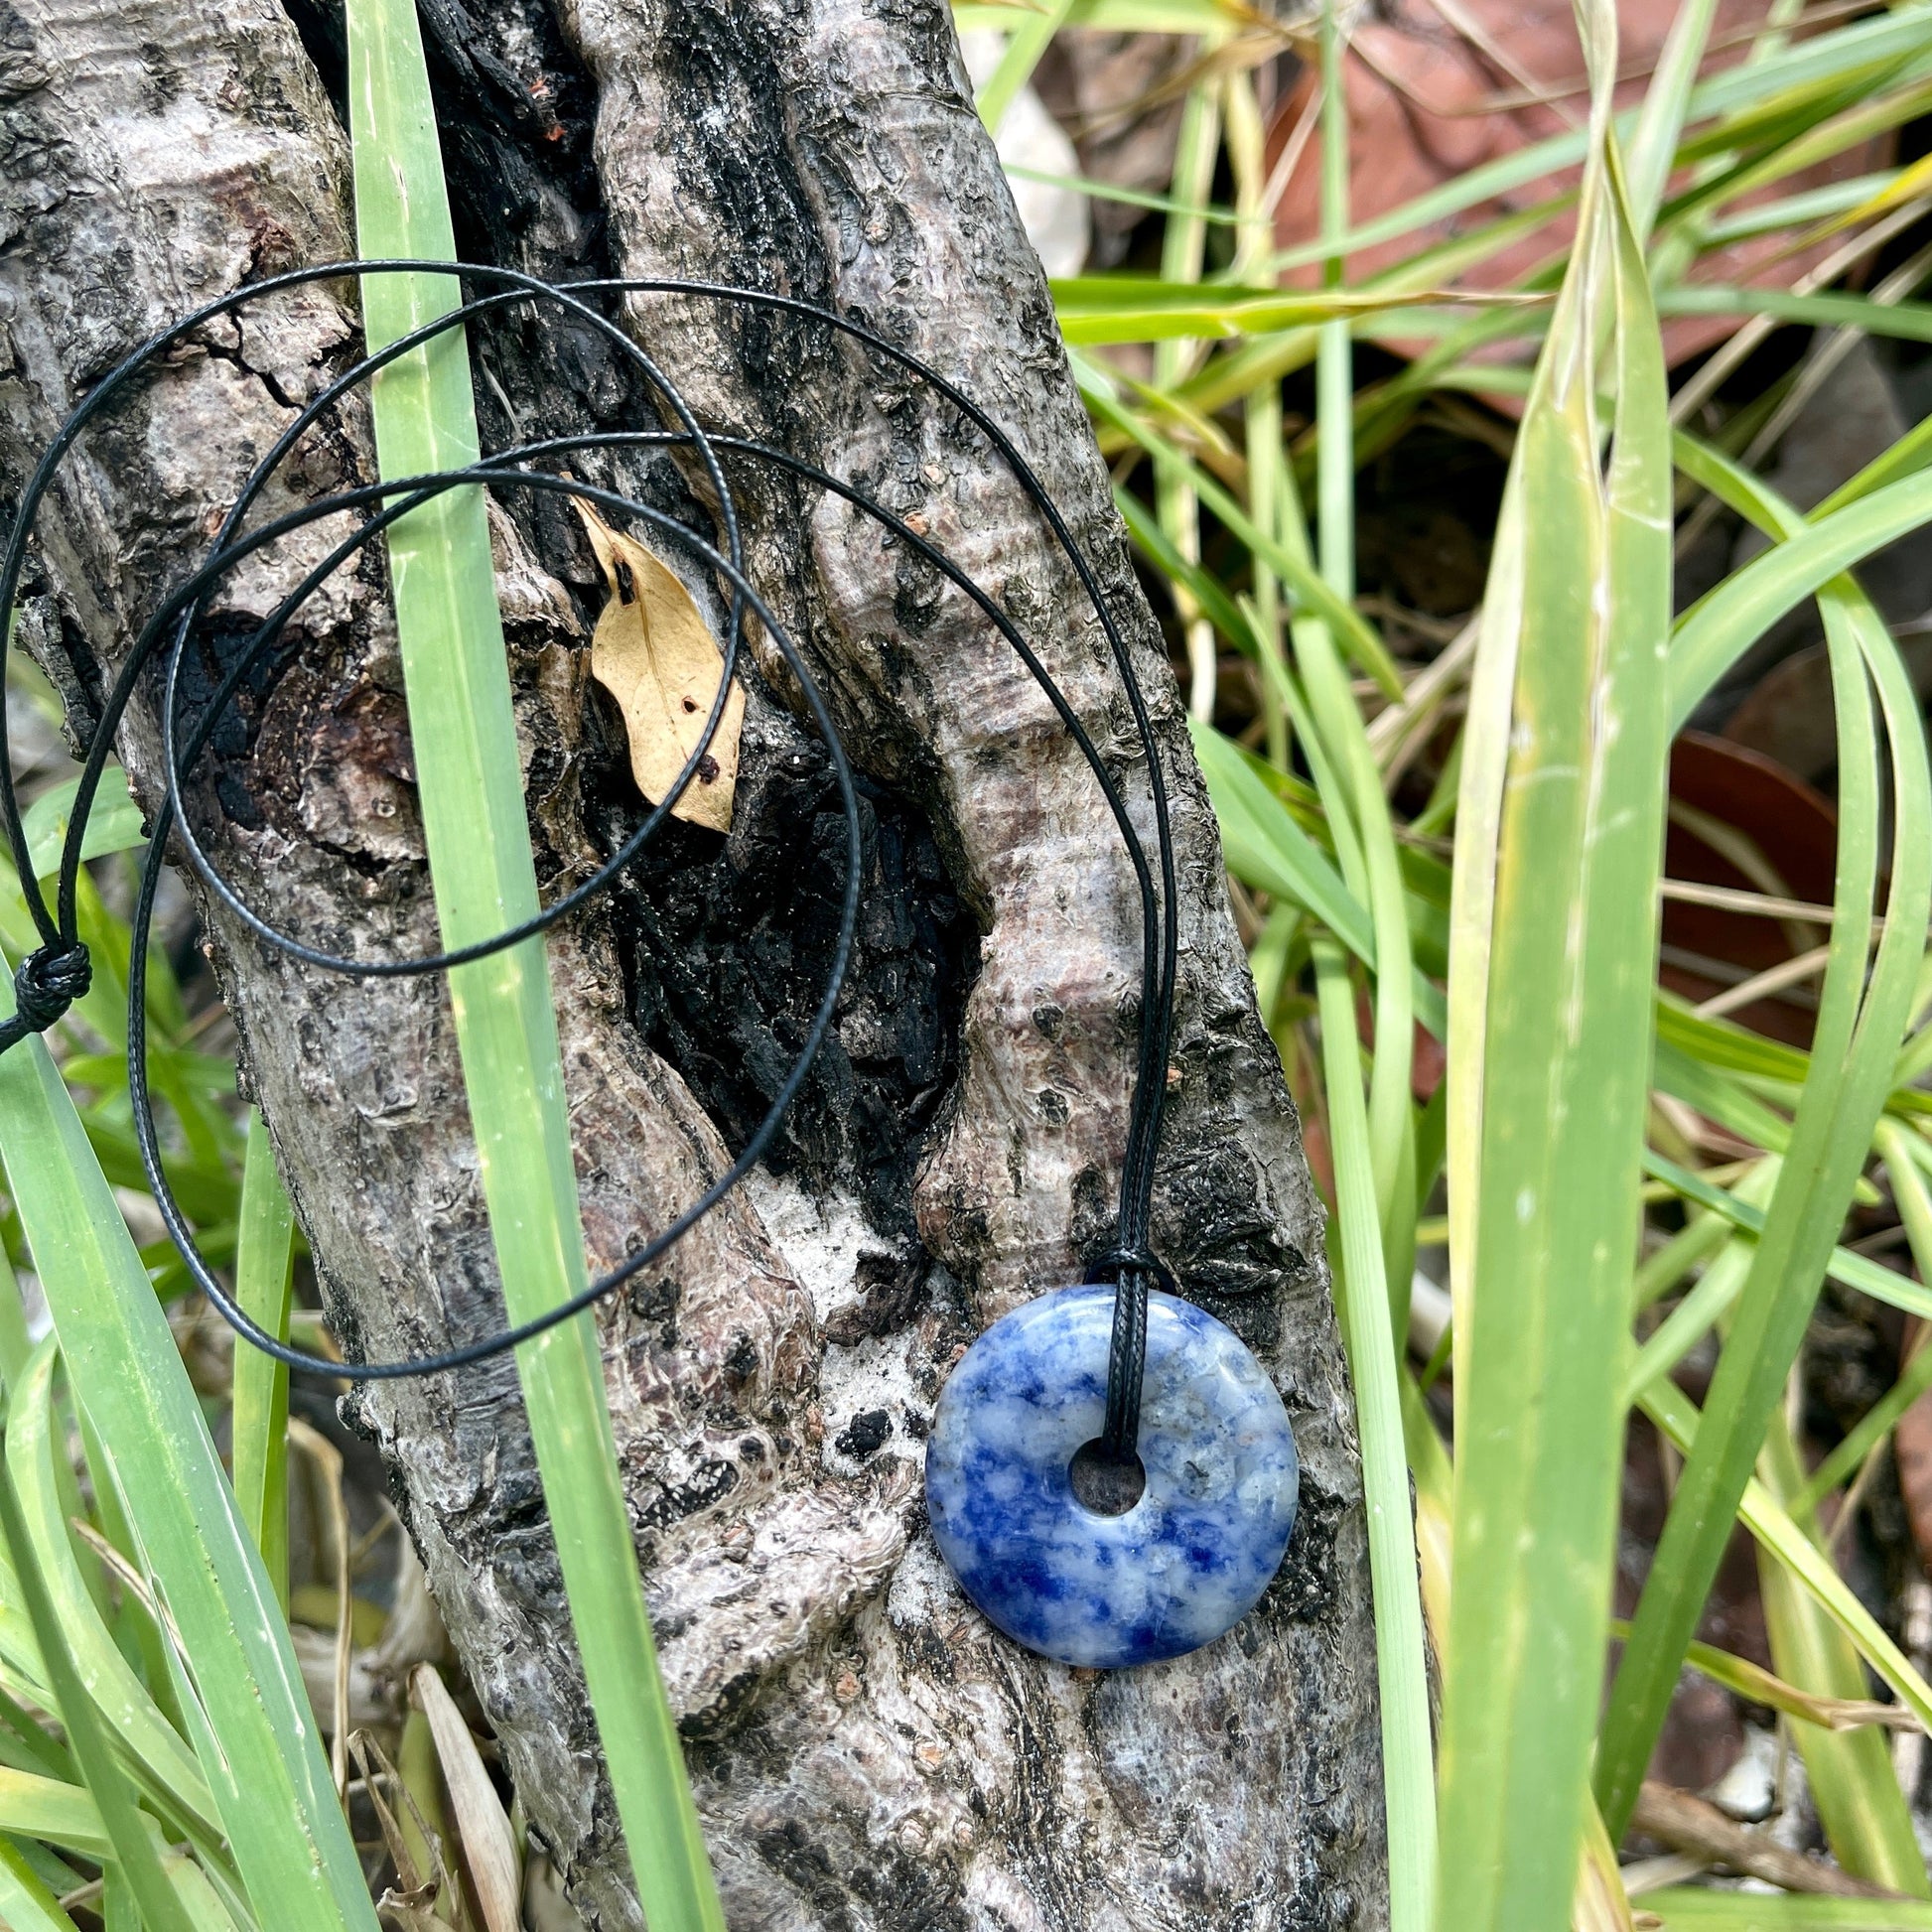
866, 1753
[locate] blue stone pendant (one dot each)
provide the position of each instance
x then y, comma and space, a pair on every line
1189, 1559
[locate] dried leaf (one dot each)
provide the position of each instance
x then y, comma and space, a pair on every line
402, 1912
414, 1899
488, 1844
654, 654
328, 1460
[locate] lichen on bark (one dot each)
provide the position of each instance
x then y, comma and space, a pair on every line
866, 1752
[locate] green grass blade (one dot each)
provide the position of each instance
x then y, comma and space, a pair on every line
1912, 451
269, 1780
1755, 1684
1302, 580
1915, 1210
1719, 1097
1264, 846
114, 825
1869, 1431
1659, 1272
1716, 632
1184, 242
1660, 121
1796, 211
31, 1746
1689, 1909
264, 1261
463, 733
1909, 321
1112, 16
1095, 310
1565, 757
31, 1806
1866, 1820
1700, 1310
26, 1904
1360, 799
15, 1343
1267, 358
112, 1687
130, 1845
1031, 31
1843, 1264
1270, 477
1676, 1416
1827, 60
1217, 216
1408, 1772
1853, 1057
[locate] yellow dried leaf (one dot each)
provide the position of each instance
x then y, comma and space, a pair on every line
654, 654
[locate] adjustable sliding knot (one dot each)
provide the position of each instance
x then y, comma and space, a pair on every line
1116, 1262
49, 981
1131, 1268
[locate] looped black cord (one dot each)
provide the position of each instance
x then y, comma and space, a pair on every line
57, 973
45, 983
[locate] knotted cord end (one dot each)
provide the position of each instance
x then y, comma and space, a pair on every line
1133, 1268
47, 983
1116, 1262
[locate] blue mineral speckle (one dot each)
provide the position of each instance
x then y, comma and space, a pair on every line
1188, 1561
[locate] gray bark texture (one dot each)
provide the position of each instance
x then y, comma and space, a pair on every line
866, 1752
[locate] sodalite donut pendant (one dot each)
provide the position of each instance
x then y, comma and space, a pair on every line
1188, 1561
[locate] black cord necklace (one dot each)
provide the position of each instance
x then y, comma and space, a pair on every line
57, 971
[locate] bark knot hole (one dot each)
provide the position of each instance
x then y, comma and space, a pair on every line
1103, 1482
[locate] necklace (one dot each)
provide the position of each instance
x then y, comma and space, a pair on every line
1110, 1473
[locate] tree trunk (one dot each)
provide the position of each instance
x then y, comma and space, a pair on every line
866, 1752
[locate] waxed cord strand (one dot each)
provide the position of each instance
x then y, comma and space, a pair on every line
57, 972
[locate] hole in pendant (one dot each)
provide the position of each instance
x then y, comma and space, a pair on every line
1105, 1483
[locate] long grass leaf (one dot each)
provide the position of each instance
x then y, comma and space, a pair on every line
269, 1780
1854, 1051
1915, 1210
1827, 60
31, 1806
1099, 309
258, 1425
1846, 1266
1660, 121
1306, 583
1866, 1820
1265, 848
1391, 1143
1183, 242
1677, 1417
1909, 321
1681, 1908
1408, 1771
484, 876
1716, 632
131, 1843
26, 1904
114, 825
1569, 780
110, 1683
1025, 45
1701, 1311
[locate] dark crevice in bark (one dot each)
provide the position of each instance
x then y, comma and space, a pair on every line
728, 944
725, 946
